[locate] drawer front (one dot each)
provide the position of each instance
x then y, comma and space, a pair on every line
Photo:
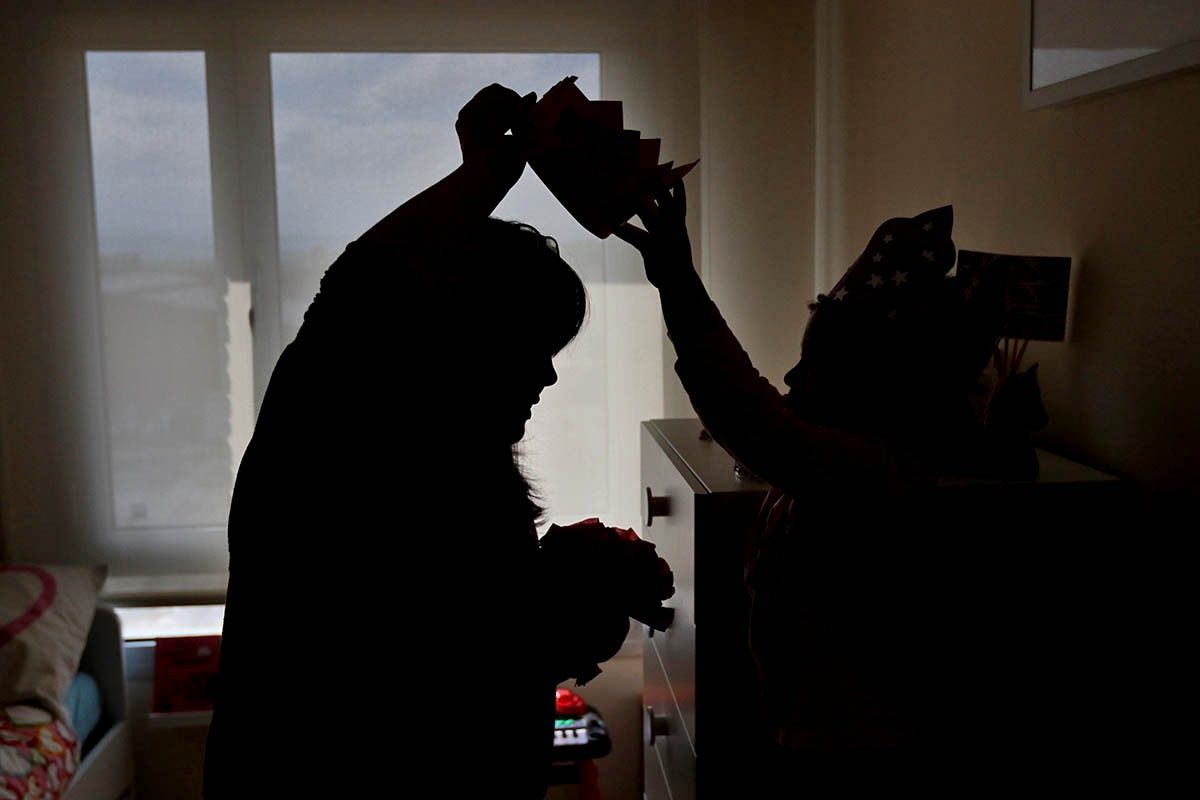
670, 753
674, 537
676, 652
655, 775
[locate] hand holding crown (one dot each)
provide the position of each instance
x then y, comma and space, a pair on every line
600, 172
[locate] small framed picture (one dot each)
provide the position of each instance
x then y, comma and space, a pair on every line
1036, 292
1076, 48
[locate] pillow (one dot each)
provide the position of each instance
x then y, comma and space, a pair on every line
45, 614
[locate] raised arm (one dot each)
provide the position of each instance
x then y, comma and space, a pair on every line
492, 164
739, 407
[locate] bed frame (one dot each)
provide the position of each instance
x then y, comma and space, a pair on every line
106, 772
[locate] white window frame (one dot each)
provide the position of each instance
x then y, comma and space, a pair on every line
634, 66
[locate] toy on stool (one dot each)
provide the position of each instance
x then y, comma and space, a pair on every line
580, 737
579, 731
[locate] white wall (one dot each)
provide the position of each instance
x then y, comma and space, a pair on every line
50, 393
930, 109
757, 74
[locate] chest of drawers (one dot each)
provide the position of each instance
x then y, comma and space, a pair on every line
1020, 571
697, 511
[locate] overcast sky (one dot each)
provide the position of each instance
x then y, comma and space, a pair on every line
355, 134
149, 126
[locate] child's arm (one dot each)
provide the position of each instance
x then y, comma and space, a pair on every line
740, 408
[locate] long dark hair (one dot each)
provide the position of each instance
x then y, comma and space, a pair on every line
520, 278
533, 275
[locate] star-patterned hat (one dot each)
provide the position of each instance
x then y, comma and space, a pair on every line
897, 341
903, 261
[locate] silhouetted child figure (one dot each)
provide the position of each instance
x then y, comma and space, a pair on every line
851, 619
390, 624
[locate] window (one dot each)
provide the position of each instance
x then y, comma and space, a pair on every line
353, 135
174, 394
161, 198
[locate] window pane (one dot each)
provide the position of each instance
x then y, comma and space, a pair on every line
358, 133
167, 333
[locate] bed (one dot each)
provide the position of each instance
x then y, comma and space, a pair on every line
106, 767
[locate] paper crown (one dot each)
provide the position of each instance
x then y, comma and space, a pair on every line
596, 168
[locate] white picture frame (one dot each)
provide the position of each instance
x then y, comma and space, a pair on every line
1135, 68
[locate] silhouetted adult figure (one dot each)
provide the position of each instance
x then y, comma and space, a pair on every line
390, 626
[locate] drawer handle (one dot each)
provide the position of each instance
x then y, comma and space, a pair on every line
656, 507
654, 726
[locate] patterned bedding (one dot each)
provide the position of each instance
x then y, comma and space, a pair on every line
38, 754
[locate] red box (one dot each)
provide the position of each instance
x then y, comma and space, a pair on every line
185, 668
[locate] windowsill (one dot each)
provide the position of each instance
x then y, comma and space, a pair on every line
142, 623
164, 590
163, 606
152, 607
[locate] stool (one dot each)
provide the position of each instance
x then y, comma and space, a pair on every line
582, 773
580, 737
